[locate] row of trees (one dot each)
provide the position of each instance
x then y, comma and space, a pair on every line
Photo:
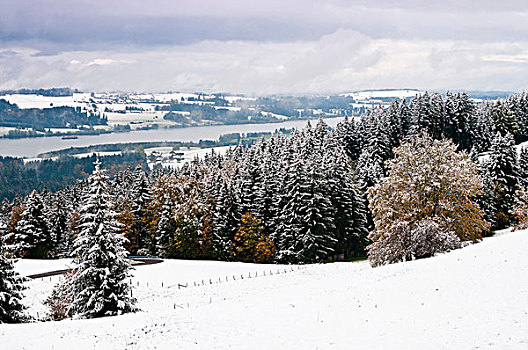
295, 196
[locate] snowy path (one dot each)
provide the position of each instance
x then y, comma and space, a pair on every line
476, 297
135, 262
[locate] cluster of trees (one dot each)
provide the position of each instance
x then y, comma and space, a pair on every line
294, 197
488, 132
40, 119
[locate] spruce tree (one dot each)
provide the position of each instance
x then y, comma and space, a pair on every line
139, 201
11, 287
350, 213
501, 178
98, 286
31, 237
503, 119
523, 167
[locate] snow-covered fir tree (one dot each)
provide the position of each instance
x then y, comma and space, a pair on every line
306, 226
459, 111
523, 167
11, 287
139, 201
98, 286
501, 180
31, 236
58, 226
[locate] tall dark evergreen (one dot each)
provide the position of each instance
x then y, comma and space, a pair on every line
31, 236
427, 114
11, 287
523, 167
459, 111
350, 213
58, 226
503, 119
139, 201
501, 180
98, 286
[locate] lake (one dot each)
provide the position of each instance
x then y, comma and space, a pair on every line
31, 147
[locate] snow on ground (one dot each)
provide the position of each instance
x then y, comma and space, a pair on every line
369, 94
189, 154
33, 266
4, 130
476, 297
38, 101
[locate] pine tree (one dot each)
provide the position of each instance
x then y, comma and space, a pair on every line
501, 179
482, 128
139, 201
225, 218
58, 226
98, 286
375, 151
11, 287
459, 112
165, 229
350, 213
503, 119
347, 133
306, 224
31, 237
427, 114
193, 226
523, 167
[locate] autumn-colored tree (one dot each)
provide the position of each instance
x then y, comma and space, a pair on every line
126, 219
72, 231
16, 215
429, 184
60, 299
250, 243
520, 211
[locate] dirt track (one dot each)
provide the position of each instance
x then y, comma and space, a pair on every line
135, 262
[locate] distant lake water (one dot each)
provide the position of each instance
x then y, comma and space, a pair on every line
31, 147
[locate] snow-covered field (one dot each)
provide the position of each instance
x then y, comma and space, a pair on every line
476, 297
370, 94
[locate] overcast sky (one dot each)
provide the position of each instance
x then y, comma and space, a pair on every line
263, 47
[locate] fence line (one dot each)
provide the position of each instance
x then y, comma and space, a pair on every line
202, 282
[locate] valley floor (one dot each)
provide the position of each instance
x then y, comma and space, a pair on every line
476, 297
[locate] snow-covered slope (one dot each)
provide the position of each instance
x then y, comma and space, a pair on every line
476, 297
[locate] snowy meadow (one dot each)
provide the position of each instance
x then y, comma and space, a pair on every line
475, 297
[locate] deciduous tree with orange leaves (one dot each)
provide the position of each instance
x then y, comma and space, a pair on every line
426, 204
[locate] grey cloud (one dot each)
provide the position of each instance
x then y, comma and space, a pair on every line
273, 46
98, 24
